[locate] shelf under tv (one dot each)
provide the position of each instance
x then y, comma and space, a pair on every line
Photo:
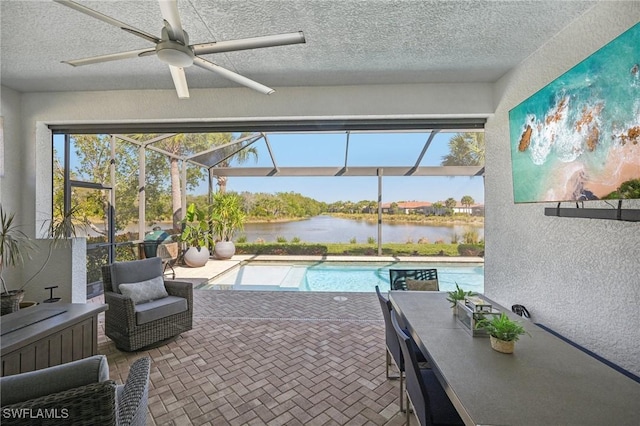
628, 215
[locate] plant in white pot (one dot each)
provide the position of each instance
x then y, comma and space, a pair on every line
503, 332
196, 233
228, 218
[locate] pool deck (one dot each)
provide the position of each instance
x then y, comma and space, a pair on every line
271, 358
215, 267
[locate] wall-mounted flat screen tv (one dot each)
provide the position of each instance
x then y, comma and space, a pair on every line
578, 138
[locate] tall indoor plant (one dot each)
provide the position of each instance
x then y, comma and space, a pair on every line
15, 247
197, 234
227, 218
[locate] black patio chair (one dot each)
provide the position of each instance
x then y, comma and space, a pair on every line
430, 402
393, 353
414, 279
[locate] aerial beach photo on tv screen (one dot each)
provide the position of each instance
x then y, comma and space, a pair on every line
578, 138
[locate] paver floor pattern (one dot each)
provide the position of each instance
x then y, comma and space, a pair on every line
271, 358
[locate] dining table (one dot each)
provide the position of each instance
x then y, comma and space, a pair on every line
546, 381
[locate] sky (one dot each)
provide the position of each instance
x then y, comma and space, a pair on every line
365, 149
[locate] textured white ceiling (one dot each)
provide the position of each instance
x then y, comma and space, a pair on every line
348, 42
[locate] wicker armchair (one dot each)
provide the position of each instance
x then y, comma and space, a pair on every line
135, 326
76, 393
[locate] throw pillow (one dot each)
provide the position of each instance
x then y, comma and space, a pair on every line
422, 285
144, 291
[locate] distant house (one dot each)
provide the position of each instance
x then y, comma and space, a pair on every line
409, 207
427, 208
473, 210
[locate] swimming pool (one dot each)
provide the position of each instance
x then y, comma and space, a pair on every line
339, 276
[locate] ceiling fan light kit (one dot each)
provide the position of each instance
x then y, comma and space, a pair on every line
174, 50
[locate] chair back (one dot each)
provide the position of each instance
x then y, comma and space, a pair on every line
168, 251
414, 385
393, 346
414, 279
133, 271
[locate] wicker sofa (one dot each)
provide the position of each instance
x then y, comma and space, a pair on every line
133, 326
76, 393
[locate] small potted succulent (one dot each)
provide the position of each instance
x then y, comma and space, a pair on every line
458, 294
503, 332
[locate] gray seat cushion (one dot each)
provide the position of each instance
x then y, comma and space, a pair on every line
160, 308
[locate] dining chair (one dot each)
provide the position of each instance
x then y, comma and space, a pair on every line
393, 352
430, 402
414, 279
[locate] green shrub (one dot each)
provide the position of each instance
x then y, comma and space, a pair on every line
281, 249
371, 240
296, 240
352, 241
281, 239
470, 236
471, 250
241, 239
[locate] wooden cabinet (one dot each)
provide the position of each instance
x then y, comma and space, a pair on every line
48, 335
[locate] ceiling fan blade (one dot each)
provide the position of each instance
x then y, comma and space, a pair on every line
111, 57
249, 43
203, 63
108, 20
169, 10
180, 81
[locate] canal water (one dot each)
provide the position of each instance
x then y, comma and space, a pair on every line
328, 229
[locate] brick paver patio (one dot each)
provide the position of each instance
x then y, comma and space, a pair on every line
271, 358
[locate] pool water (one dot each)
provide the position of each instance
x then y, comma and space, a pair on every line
339, 276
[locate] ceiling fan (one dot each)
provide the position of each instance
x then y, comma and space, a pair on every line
173, 47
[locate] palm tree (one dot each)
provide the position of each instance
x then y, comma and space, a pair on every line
465, 149
450, 203
467, 201
188, 144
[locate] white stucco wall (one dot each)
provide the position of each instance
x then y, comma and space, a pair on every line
580, 277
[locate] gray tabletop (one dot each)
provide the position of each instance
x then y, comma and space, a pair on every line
545, 382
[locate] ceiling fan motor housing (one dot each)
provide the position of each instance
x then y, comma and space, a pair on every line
174, 52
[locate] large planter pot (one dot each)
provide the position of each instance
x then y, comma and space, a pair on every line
196, 257
503, 346
224, 249
10, 302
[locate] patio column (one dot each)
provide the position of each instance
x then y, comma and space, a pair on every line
183, 184
379, 211
142, 178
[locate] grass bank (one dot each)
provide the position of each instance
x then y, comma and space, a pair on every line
457, 219
337, 249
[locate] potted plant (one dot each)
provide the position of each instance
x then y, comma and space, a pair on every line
503, 332
458, 294
15, 247
228, 218
196, 233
